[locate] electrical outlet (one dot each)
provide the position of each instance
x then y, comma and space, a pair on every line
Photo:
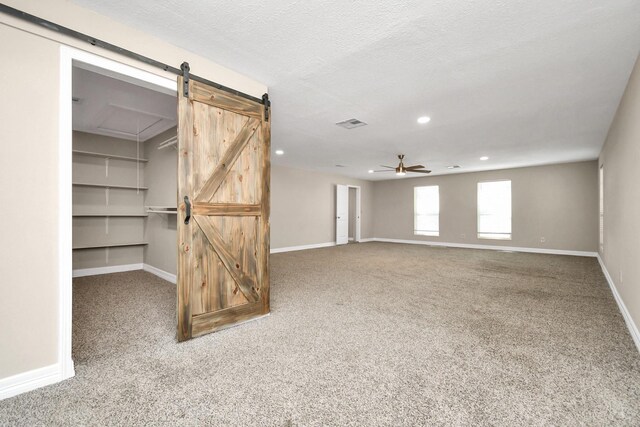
542, 240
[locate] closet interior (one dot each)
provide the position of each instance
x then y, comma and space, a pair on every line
124, 176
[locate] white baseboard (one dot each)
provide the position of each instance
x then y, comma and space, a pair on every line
169, 277
106, 270
30, 380
302, 248
631, 325
368, 239
127, 267
491, 247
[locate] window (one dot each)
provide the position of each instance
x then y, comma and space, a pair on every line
601, 195
494, 210
426, 209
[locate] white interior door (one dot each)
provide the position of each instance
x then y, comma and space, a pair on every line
342, 214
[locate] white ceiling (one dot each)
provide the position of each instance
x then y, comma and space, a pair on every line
108, 106
523, 82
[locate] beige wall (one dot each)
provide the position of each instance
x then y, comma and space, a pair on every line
303, 207
29, 170
621, 160
29, 220
557, 202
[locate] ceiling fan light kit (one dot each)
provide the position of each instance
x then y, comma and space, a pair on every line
401, 169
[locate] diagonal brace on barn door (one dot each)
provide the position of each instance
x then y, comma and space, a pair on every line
246, 283
228, 160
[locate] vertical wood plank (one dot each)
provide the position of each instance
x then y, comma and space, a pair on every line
264, 232
184, 281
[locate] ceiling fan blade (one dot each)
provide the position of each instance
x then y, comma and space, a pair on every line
390, 167
419, 171
414, 167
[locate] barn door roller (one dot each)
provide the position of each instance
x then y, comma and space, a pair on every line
185, 79
267, 105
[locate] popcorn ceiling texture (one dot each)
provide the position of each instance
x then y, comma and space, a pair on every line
523, 82
363, 334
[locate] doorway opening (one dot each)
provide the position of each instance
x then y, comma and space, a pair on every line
353, 214
112, 177
348, 213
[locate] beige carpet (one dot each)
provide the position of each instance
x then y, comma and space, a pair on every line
365, 334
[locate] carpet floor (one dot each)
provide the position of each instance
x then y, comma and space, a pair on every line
364, 334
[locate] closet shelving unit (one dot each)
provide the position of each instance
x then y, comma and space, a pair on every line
114, 215
108, 156
170, 210
107, 186
118, 186
110, 245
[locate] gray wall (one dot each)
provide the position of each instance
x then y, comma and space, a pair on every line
621, 159
161, 175
557, 202
303, 207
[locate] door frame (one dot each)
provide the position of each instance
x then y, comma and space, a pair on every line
70, 57
358, 235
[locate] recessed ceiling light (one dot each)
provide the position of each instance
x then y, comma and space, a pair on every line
424, 119
370, 170
279, 152
484, 158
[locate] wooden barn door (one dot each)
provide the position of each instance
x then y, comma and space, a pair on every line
223, 211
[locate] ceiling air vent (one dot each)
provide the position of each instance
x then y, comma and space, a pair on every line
453, 167
351, 123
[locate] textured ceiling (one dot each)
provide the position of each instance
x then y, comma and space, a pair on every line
522, 82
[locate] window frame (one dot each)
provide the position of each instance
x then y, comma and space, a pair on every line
483, 235
430, 233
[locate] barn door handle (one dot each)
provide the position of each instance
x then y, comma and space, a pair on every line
187, 204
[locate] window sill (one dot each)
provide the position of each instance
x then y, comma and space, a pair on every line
426, 233
493, 237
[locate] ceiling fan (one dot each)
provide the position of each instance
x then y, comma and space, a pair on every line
401, 169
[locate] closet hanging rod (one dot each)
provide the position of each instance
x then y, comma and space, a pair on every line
16, 13
169, 142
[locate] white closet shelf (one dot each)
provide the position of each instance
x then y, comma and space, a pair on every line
124, 187
110, 245
132, 215
108, 156
172, 210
